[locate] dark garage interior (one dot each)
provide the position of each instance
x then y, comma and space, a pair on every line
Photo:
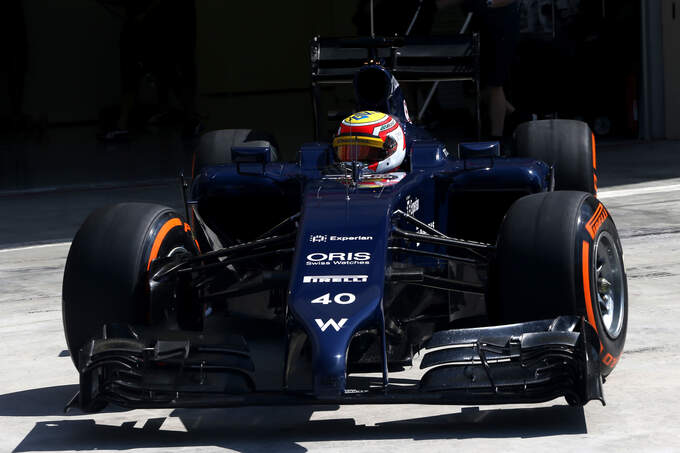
602, 61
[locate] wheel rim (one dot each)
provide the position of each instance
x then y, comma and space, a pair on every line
178, 251
609, 284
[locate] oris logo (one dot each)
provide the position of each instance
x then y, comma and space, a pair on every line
338, 258
318, 238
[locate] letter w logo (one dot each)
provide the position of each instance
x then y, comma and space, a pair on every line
331, 322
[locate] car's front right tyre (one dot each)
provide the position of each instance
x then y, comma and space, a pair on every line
559, 253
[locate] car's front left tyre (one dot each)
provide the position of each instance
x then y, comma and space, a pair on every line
106, 273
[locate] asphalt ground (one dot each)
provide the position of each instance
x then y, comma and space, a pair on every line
641, 190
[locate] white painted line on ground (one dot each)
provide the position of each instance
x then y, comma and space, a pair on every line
113, 185
638, 191
29, 247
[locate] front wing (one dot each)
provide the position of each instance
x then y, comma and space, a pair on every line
521, 363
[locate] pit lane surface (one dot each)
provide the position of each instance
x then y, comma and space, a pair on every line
643, 393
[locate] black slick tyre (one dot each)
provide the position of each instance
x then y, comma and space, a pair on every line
566, 145
559, 254
105, 278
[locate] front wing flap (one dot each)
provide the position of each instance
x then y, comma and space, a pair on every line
521, 363
533, 361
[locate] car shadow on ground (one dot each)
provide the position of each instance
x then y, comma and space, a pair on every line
282, 429
41, 402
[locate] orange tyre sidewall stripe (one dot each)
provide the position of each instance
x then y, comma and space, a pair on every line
167, 226
585, 263
594, 162
594, 153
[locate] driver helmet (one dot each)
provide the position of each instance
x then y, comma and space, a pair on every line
373, 138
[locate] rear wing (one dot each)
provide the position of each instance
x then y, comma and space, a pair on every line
409, 59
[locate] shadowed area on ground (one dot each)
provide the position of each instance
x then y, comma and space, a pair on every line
284, 428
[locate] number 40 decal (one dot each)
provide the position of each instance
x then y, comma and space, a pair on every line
342, 299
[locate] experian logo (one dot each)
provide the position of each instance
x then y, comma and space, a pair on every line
351, 238
333, 238
335, 278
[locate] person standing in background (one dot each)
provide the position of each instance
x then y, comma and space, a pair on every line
158, 38
498, 22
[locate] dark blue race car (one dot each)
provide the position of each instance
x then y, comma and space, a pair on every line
465, 276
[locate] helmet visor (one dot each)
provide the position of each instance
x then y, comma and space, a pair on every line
362, 148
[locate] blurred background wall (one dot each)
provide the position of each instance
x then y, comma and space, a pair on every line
254, 55
72, 65
243, 47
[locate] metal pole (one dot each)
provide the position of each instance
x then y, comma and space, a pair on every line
554, 23
372, 28
428, 99
644, 131
478, 108
316, 94
466, 24
415, 16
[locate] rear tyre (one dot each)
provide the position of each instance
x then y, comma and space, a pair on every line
567, 145
105, 279
559, 254
215, 146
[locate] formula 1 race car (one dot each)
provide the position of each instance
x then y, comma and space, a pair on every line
422, 275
